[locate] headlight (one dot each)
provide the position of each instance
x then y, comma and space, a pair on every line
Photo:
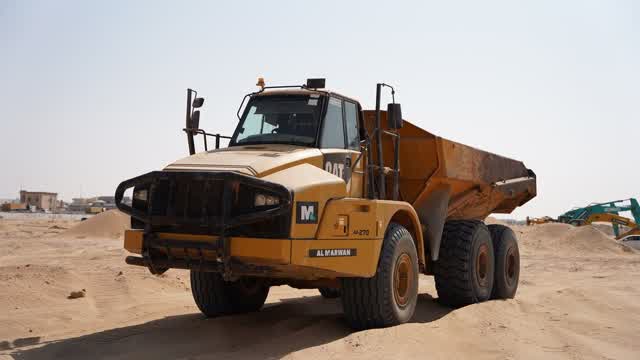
140, 194
266, 200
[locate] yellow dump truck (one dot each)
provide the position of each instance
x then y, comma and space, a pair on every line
315, 192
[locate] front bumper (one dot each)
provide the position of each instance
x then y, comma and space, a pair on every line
242, 256
273, 258
213, 207
206, 203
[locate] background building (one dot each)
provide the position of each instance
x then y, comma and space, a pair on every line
41, 200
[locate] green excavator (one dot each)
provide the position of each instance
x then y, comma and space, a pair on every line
606, 212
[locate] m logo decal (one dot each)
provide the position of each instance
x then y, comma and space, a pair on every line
306, 212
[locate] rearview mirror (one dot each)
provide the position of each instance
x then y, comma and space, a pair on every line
394, 116
195, 120
197, 102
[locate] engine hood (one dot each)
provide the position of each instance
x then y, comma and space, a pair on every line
254, 160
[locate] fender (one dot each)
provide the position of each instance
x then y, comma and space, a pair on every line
355, 221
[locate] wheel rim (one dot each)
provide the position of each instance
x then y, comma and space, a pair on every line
511, 266
482, 265
403, 280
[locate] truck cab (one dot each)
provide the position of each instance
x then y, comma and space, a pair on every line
305, 118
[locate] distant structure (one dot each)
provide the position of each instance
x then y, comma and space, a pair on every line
48, 201
40, 200
109, 201
12, 205
78, 205
94, 204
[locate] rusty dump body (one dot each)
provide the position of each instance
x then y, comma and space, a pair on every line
477, 182
443, 179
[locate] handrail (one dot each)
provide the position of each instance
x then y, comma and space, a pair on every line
205, 134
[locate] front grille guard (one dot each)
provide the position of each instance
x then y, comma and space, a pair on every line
219, 224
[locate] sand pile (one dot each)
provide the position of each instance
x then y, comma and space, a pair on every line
574, 241
605, 228
109, 224
491, 220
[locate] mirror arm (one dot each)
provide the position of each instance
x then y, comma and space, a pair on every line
378, 133
381, 188
393, 92
192, 146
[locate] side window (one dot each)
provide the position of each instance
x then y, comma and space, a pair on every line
333, 130
351, 120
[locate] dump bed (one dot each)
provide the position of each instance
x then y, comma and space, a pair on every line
475, 183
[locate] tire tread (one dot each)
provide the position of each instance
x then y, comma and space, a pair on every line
452, 270
366, 301
216, 297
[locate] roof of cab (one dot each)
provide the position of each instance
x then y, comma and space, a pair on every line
302, 91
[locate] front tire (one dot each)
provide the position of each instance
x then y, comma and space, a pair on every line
216, 297
464, 272
388, 298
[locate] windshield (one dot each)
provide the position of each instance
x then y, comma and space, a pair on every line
291, 119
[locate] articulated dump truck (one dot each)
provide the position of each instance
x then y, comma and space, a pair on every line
315, 192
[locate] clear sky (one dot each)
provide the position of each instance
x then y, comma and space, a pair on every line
92, 93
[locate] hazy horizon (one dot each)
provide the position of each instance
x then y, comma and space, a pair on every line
94, 93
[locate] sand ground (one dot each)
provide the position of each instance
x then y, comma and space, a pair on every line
578, 299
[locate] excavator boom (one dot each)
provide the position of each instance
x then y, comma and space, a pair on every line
615, 220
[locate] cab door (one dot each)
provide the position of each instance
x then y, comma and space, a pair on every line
340, 144
352, 132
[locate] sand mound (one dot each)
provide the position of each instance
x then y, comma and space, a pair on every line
570, 240
491, 220
551, 230
589, 240
605, 228
111, 224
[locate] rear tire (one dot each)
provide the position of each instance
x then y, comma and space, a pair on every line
505, 248
216, 297
388, 298
329, 293
464, 272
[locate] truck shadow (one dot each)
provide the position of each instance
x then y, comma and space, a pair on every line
279, 329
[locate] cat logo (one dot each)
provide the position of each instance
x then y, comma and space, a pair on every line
336, 169
306, 212
338, 165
